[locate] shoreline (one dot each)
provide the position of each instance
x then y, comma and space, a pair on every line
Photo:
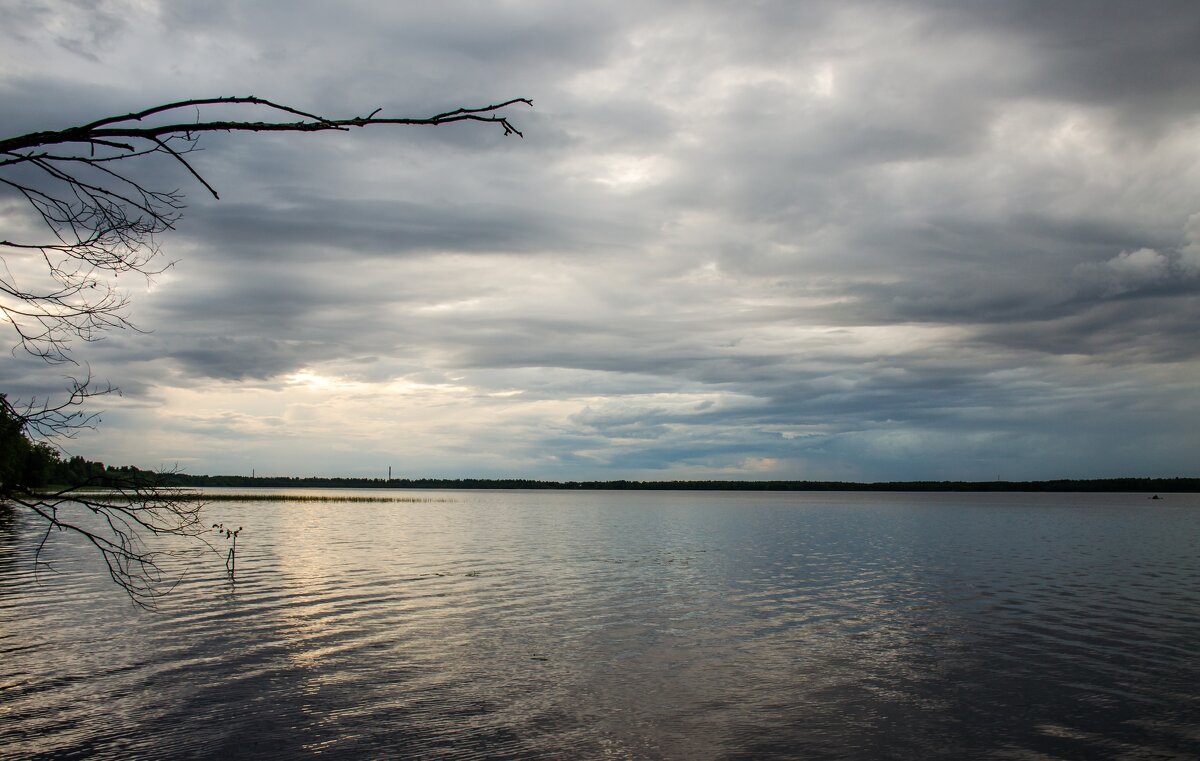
1134, 485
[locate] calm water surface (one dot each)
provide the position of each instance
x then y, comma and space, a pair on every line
627, 625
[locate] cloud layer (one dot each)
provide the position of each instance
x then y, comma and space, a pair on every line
864, 240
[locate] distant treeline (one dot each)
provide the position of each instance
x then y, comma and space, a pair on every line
76, 471
1165, 485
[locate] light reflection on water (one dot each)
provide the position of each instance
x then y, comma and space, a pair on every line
628, 625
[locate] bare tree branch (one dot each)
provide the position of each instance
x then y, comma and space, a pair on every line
104, 129
50, 421
123, 520
105, 221
102, 221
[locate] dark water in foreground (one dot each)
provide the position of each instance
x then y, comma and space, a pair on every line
628, 625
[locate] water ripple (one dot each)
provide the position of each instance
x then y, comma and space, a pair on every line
626, 625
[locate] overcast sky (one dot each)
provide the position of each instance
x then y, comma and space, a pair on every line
803, 240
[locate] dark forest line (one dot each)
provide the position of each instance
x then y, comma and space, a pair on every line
77, 471
1167, 485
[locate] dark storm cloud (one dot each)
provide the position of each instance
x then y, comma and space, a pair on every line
1139, 60
314, 228
253, 358
1124, 331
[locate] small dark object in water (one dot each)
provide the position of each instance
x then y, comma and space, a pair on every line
1156, 497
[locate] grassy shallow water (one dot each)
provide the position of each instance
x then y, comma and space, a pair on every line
285, 497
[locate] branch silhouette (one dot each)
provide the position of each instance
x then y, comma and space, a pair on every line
100, 220
104, 219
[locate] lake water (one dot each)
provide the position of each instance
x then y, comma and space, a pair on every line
675, 625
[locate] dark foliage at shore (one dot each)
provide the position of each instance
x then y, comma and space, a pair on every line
24, 463
78, 471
